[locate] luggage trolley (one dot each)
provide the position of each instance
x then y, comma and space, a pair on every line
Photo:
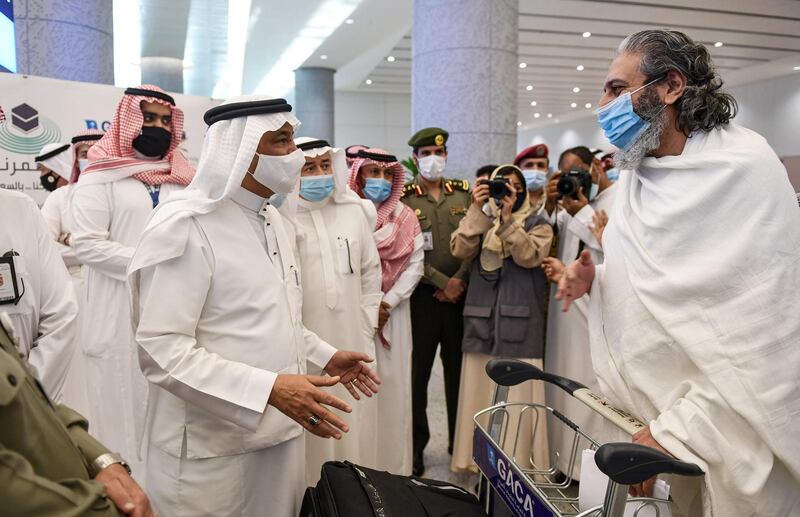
531, 491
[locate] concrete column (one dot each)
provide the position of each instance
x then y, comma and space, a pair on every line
313, 99
65, 39
166, 72
464, 78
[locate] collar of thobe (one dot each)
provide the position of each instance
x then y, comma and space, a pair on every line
326, 253
249, 200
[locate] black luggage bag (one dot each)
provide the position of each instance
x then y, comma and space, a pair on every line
347, 490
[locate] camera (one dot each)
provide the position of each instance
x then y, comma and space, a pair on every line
498, 188
570, 183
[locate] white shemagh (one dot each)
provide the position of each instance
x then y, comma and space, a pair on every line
432, 166
60, 163
694, 323
228, 149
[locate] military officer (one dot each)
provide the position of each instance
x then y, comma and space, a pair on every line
437, 302
49, 465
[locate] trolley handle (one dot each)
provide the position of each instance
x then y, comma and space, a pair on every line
510, 372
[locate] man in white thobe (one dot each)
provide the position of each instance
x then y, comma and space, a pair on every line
36, 292
217, 307
342, 288
567, 344
693, 315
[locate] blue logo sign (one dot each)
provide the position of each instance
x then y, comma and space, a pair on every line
26, 131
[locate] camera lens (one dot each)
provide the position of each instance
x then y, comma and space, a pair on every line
567, 186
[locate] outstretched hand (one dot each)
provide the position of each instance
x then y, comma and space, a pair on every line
599, 222
553, 269
353, 373
576, 280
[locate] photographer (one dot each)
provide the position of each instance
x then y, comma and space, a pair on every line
508, 241
567, 332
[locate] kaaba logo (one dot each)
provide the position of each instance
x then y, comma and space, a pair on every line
26, 132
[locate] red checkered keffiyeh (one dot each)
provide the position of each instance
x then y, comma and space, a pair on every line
115, 150
76, 170
395, 249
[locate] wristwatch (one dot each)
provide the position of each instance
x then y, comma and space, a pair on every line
108, 459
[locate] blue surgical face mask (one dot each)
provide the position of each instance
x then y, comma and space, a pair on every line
534, 178
277, 200
377, 190
613, 175
620, 123
316, 188
82, 163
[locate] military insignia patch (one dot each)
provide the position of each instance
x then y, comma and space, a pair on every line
439, 140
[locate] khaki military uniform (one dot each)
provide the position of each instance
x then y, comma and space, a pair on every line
45, 449
434, 322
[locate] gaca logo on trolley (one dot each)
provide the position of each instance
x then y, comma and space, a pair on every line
514, 487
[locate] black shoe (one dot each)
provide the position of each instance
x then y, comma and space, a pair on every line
419, 466
450, 449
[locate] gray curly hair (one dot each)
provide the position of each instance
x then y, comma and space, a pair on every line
703, 106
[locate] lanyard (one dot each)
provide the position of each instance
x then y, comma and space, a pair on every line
154, 191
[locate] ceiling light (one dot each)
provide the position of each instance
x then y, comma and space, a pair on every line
323, 57
579, 68
587, 34
368, 81
576, 90
588, 105
796, 68
529, 87
549, 115
523, 65
533, 103
535, 115
349, 21
573, 105
390, 59
718, 44
519, 123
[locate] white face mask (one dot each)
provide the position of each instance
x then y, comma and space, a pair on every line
82, 163
279, 173
431, 167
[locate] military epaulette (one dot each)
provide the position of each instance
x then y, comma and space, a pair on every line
412, 187
462, 185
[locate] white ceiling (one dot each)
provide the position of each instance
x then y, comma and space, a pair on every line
268, 39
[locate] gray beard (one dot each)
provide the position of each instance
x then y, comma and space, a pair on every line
631, 158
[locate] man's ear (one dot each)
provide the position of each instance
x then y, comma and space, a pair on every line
676, 85
414, 158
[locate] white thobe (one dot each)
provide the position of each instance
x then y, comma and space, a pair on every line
45, 317
693, 317
108, 220
341, 295
216, 326
57, 214
395, 447
567, 345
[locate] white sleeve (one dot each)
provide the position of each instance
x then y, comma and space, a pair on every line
51, 211
91, 214
408, 279
52, 348
170, 300
579, 225
371, 280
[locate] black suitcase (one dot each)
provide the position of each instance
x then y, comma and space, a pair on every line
347, 490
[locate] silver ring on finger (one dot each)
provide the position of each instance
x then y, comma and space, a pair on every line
314, 420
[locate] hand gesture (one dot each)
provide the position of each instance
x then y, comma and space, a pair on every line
553, 269
452, 292
124, 492
576, 280
299, 398
383, 315
480, 194
572, 205
599, 222
507, 203
353, 373
644, 437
